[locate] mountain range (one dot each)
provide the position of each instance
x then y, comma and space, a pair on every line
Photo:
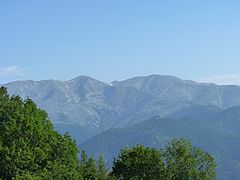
105, 117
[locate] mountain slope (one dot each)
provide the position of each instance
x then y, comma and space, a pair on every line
94, 106
156, 131
172, 88
82, 102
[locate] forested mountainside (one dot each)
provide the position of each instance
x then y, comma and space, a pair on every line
214, 137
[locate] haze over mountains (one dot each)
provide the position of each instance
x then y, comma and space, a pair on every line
149, 110
92, 104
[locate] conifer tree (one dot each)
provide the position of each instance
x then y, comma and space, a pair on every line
102, 170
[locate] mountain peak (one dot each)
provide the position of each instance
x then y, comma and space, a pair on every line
82, 78
153, 81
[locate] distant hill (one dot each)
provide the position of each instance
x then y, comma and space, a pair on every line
94, 106
155, 132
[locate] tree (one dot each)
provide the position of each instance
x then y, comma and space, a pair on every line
178, 160
29, 147
139, 163
183, 161
102, 170
88, 168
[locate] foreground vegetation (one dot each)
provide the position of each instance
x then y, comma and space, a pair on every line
31, 149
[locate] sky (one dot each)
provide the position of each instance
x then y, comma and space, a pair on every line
115, 40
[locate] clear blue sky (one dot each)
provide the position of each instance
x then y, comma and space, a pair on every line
118, 39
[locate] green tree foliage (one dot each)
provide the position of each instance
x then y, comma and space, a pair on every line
88, 168
139, 163
176, 161
29, 147
102, 170
183, 161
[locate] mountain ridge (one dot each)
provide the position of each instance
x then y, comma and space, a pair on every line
96, 105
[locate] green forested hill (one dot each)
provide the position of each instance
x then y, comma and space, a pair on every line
155, 132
